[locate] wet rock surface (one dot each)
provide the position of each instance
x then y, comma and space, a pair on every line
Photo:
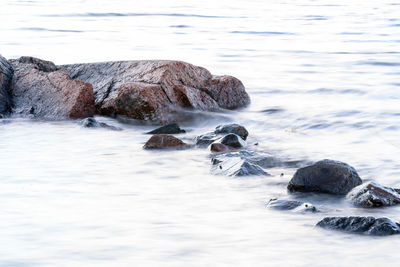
371, 195
233, 140
161, 141
221, 130
236, 167
232, 128
38, 89
172, 128
361, 225
292, 205
156, 89
6, 73
235, 164
326, 176
93, 123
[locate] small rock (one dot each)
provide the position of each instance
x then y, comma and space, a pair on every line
160, 141
361, 225
236, 166
371, 195
206, 139
293, 205
93, 123
326, 176
232, 128
172, 128
221, 148
233, 140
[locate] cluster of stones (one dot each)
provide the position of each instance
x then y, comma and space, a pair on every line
231, 157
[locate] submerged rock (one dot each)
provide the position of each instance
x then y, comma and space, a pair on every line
160, 141
361, 225
157, 89
326, 176
6, 73
232, 128
371, 194
232, 164
292, 205
93, 123
172, 128
38, 89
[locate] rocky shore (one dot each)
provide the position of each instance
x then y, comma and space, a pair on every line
159, 92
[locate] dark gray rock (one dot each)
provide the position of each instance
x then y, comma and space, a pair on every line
233, 140
157, 90
232, 164
6, 73
292, 205
93, 123
371, 195
326, 176
361, 225
232, 128
172, 128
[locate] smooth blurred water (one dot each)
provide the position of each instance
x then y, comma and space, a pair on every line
324, 81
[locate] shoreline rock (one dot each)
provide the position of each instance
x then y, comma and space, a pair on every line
38, 89
156, 89
325, 176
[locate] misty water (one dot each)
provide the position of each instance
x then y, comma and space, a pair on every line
323, 77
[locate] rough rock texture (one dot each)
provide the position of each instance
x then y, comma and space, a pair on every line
39, 89
172, 128
232, 128
292, 205
156, 89
326, 176
233, 140
160, 141
371, 194
93, 123
6, 73
208, 138
361, 225
232, 164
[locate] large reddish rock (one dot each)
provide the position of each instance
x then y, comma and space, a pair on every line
38, 88
6, 73
157, 90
